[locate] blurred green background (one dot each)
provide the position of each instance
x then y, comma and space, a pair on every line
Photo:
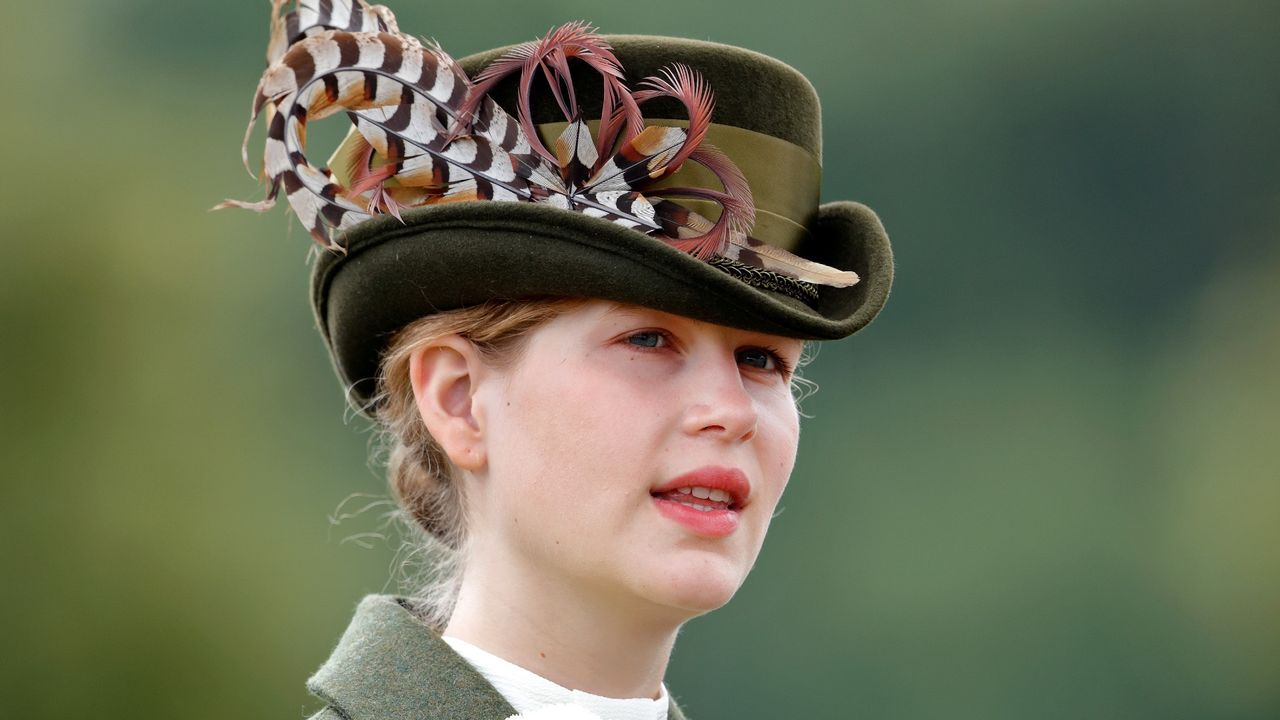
1045, 483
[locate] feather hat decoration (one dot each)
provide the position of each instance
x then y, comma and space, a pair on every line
425, 134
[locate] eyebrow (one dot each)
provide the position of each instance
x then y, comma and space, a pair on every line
617, 308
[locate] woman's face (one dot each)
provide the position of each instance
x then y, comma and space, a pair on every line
591, 435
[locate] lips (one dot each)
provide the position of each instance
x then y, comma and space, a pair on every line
712, 477
713, 517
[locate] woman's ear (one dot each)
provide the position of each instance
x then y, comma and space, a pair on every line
443, 373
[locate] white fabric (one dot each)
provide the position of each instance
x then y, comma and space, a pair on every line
527, 691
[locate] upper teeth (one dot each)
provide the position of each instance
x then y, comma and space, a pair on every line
707, 494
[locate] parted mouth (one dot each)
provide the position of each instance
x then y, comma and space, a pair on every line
708, 488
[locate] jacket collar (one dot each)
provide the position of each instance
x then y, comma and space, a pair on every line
389, 665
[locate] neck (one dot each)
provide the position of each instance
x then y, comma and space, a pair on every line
574, 637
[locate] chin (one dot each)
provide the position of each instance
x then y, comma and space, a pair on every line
692, 587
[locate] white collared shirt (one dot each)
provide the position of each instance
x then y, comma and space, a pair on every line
527, 691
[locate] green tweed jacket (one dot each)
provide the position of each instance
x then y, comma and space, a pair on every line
390, 666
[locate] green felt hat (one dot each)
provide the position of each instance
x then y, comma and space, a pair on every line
441, 257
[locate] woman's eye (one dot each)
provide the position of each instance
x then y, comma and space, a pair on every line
758, 358
648, 338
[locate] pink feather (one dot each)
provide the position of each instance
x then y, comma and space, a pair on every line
551, 55
685, 84
738, 212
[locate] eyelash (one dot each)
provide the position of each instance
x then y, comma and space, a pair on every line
780, 364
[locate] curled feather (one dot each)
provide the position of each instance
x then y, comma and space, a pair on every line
309, 18
660, 151
550, 56
738, 212
681, 82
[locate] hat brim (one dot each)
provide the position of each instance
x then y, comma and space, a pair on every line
455, 255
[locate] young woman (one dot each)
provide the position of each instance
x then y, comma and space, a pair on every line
578, 323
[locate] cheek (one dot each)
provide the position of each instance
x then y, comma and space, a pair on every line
568, 466
780, 435
564, 419
592, 409
563, 439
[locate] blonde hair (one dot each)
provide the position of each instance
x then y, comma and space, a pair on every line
423, 481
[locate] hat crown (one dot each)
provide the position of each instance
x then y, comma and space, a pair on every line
753, 91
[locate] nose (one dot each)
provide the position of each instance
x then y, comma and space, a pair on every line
717, 403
